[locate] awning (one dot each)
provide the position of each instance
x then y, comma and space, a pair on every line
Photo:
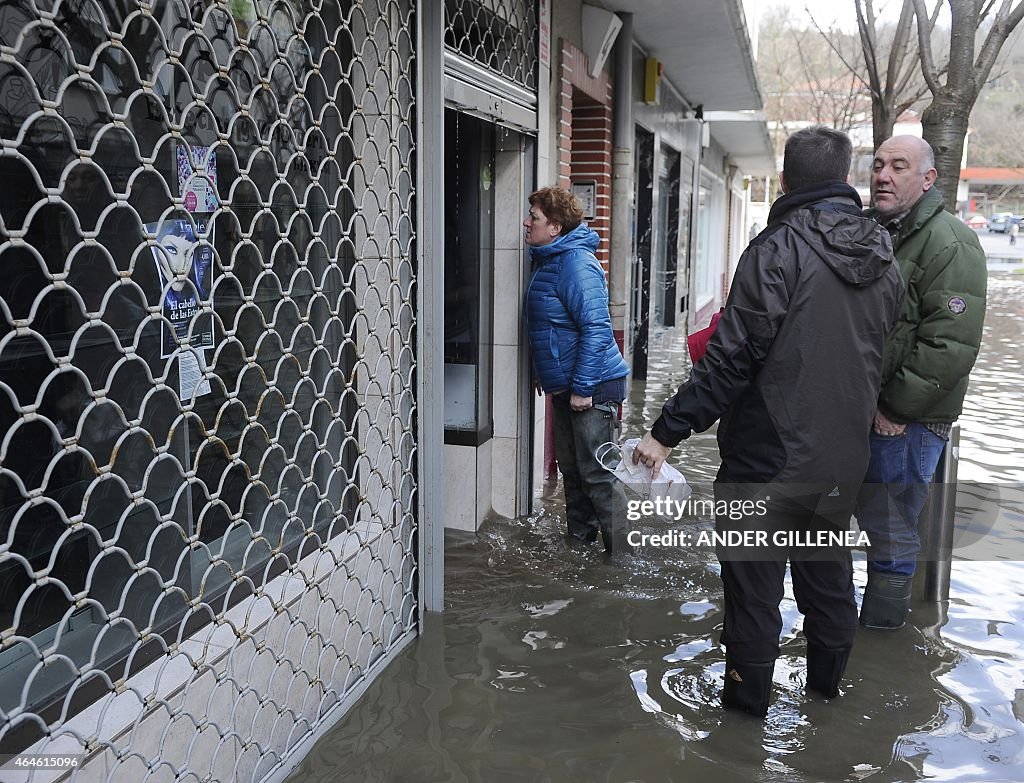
704, 45
744, 137
987, 175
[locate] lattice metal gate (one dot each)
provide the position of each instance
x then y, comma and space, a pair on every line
207, 391
500, 35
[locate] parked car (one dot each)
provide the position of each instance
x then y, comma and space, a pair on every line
997, 224
976, 221
1001, 223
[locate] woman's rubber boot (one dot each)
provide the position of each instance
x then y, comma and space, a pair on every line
748, 687
825, 669
886, 601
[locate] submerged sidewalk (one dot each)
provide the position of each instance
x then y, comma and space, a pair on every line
551, 666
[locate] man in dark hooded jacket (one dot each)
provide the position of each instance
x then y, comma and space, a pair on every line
793, 372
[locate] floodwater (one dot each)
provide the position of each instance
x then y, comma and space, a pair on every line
551, 665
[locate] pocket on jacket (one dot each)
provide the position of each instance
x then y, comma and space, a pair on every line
563, 349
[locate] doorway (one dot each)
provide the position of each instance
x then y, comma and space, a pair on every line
666, 273
643, 220
468, 271
487, 426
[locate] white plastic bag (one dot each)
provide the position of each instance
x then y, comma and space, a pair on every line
668, 485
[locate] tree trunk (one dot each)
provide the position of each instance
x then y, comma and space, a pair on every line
944, 126
883, 120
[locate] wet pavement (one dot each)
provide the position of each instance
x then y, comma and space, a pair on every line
998, 248
550, 664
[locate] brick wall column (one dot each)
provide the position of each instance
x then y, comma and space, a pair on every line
585, 137
584, 154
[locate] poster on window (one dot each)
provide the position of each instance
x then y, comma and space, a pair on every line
197, 179
185, 269
191, 378
184, 272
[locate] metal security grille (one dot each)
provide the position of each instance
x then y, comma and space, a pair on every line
501, 35
207, 498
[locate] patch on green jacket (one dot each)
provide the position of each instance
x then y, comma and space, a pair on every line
957, 306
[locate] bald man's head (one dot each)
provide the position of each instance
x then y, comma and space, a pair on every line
902, 172
922, 149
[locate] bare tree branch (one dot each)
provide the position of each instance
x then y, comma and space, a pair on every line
924, 47
866, 30
897, 50
842, 57
919, 92
986, 11
997, 35
910, 64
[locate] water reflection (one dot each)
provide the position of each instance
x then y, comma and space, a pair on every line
551, 665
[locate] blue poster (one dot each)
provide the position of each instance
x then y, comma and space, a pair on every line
185, 271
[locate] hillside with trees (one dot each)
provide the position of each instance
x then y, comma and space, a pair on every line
868, 79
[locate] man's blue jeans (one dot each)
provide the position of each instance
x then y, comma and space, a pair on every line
894, 493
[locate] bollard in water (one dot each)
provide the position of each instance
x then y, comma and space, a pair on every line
941, 522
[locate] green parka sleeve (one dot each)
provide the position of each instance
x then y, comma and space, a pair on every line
934, 345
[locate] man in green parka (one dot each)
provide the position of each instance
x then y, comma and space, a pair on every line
928, 357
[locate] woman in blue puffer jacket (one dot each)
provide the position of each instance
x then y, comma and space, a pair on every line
576, 360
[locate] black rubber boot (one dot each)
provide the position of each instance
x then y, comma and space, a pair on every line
886, 601
582, 535
748, 687
825, 669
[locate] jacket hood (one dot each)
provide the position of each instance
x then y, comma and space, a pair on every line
828, 217
580, 238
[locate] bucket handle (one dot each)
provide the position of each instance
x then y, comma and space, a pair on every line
602, 452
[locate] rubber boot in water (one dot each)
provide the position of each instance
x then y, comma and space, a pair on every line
886, 601
748, 687
825, 669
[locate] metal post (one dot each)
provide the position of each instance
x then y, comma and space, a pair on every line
622, 185
941, 522
430, 305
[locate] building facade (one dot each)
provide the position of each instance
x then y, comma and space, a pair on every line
261, 332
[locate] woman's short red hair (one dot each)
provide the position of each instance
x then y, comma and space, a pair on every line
559, 206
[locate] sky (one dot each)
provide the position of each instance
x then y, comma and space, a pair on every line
840, 12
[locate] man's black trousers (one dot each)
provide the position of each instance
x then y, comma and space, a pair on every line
754, 581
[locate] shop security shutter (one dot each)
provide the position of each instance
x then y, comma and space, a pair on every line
500, 35
207, 324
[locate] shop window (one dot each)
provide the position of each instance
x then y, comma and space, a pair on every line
182, 368
710, 209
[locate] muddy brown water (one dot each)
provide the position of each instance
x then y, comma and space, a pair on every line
550, 664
